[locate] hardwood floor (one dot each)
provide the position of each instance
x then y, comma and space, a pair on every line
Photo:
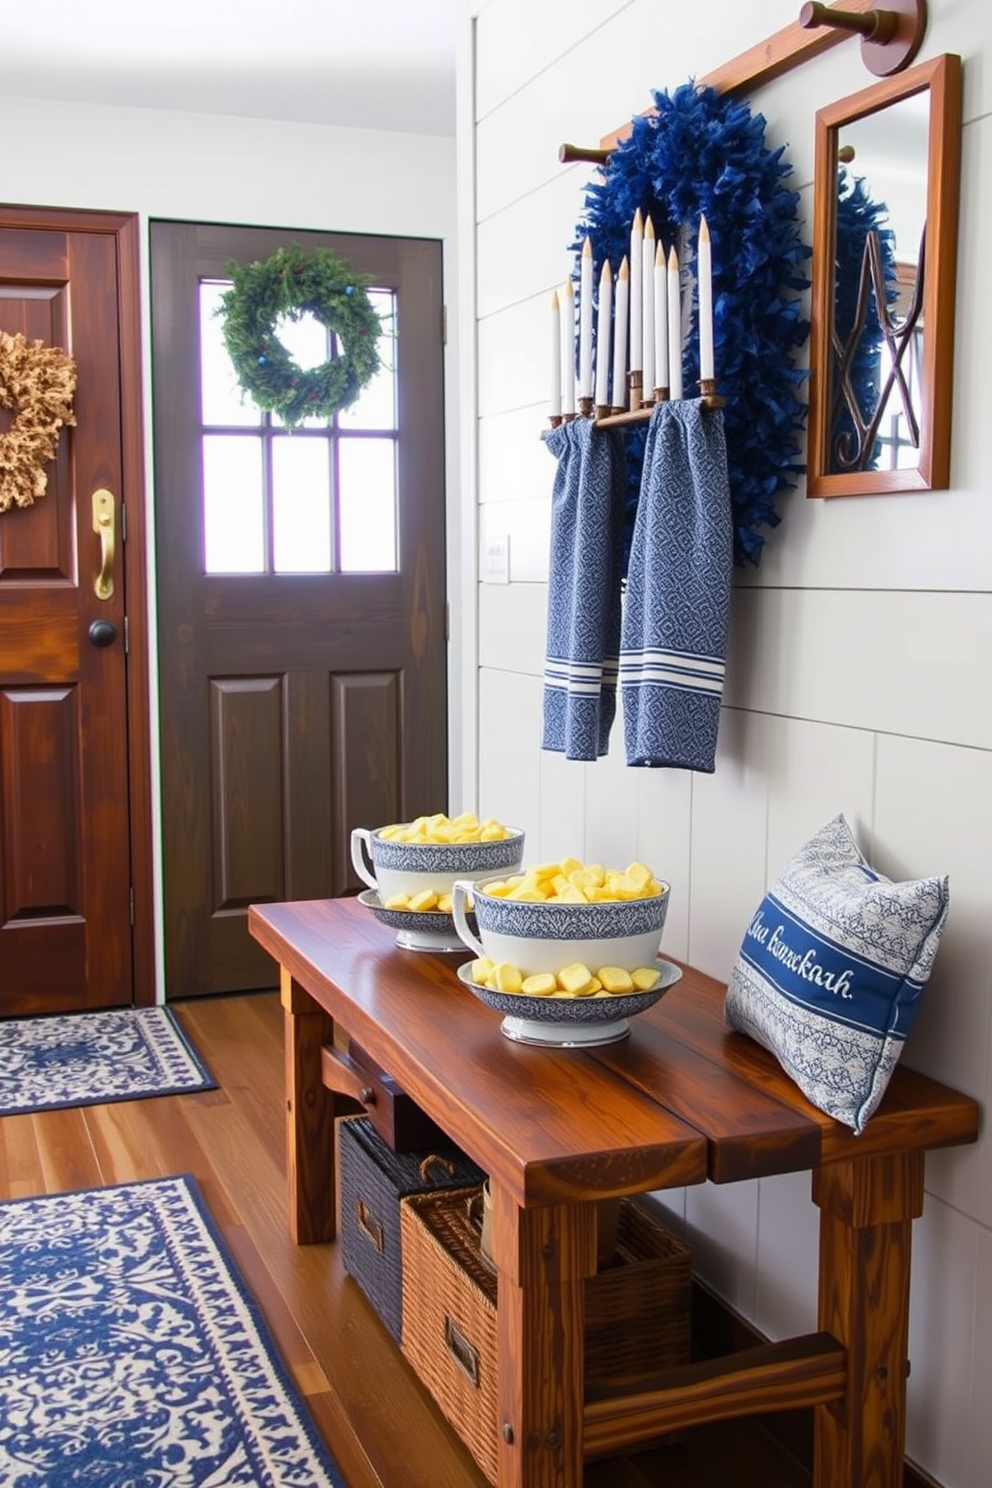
377, 1419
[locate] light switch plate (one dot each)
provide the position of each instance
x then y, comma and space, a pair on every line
497, 564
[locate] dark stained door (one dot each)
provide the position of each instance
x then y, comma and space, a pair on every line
66, 938
294, 704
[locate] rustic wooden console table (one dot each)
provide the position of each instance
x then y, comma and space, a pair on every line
680, 1101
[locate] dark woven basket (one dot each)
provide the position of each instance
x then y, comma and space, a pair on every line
637, 1310
372, 1181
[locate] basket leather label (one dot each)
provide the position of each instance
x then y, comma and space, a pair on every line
458, 1346
368, 1224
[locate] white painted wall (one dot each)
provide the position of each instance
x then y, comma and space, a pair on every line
212, 168
859, 665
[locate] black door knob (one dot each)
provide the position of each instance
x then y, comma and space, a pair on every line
103, 632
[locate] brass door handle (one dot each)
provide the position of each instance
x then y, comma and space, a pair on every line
103, 526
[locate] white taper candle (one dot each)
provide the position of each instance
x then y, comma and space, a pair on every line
555, 356
647, 312
619, 385
636, 246
585, 321
704, 274
602, 398
674, 325
567, 348
660, 319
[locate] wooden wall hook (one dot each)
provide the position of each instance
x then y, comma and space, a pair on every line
567, 154
890, 37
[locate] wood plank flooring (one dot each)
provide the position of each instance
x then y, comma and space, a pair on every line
376, 1418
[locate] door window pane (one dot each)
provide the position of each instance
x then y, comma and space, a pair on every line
320, 499
308, 345
367, 505
301, 505
375, 407
233, 507
221, 399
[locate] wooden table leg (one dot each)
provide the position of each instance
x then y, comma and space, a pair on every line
867, 1208
543, 1256
310, 1110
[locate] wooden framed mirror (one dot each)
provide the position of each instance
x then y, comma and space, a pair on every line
885, 226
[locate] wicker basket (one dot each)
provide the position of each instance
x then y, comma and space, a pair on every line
636, 1311
372, 1180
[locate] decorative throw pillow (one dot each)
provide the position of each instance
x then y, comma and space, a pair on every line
831, 969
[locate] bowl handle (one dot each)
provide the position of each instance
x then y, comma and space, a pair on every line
460, 890
361, 855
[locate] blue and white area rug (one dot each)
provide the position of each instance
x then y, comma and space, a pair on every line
85, 1059
131, 1353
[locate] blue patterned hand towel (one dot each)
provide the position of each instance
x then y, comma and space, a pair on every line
677, 604
583, 647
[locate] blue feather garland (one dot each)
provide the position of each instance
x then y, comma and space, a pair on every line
702, 153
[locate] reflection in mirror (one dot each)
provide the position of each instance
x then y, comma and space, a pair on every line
875, 404
883, 285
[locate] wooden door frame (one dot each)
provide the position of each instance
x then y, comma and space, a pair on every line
125, 228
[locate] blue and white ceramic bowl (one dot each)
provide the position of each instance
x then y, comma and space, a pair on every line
570, 1022
550, 936
429, 867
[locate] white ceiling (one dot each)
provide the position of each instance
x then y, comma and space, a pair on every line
367, 64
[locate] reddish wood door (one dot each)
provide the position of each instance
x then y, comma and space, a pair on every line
66, 879
295, 705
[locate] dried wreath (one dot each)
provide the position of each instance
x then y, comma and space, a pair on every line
36, 385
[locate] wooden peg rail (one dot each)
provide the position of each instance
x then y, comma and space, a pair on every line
770, 59
890, 38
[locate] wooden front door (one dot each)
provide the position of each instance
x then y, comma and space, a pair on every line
302, 662
70, 690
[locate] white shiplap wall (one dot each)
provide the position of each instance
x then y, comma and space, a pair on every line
859, 664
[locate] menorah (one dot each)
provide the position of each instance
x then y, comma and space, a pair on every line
638, 350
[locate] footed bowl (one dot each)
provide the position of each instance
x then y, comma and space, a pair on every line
550, 936
393, 868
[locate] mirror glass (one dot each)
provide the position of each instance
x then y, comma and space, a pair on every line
884, 250
875, 402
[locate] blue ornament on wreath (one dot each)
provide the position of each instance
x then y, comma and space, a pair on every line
702, 153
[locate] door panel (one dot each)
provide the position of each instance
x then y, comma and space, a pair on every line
294, 706
65, 829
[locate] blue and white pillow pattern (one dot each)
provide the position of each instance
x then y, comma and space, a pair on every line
831, 969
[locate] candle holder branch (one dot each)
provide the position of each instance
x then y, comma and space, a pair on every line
710, 397
634, 384
618, 419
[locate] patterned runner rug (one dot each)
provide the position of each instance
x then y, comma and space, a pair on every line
85, 1059
131, 1352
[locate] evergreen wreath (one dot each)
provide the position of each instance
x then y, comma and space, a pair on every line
37, 383
701, 152
291, 284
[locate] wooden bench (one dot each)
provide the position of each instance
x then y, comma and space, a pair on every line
682, 1100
